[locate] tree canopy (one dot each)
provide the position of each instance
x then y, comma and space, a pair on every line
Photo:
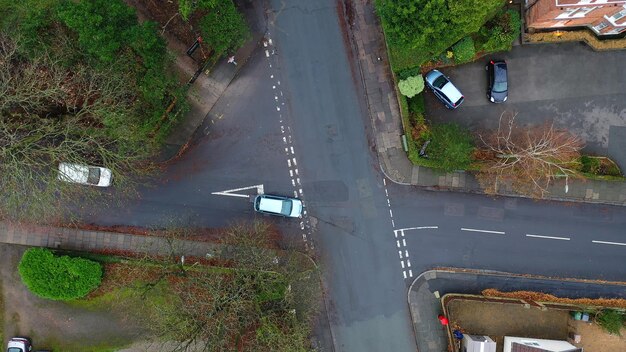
86, 84
431, 26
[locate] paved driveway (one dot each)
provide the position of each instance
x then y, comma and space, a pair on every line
579, 89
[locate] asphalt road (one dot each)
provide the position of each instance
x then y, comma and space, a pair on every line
239, 145
511, 234
295, 120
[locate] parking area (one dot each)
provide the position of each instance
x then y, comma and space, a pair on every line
580, 90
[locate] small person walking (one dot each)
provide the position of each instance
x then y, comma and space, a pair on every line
231, 60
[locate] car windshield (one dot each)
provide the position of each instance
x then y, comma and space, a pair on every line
14, 349
499, 87
286, 207
94, 176
440, 82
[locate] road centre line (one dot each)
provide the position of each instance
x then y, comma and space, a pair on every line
483, 231
287, 138
612, 243
549, 237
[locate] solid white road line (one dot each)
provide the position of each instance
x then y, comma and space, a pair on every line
613, 243
549, 237
419, 228
483, 231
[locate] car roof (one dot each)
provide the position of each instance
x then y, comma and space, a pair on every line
271, 204
448, 89
74, 172
499, 68
451, 92
432, 76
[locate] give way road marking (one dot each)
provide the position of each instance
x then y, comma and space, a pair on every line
231, 192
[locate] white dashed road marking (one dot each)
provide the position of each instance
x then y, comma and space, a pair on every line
549, 237
611, 243
483, 231
401, 241
285, 130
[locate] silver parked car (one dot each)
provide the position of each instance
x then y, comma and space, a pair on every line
278, 205
444, 89
85, 175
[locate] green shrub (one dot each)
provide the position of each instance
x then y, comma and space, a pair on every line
613, 170
451, 146
185, 8
611, 321
499, 33
101, 25
416, 104
404, 74
600, 166
416, 30
464, 50
58, 277
411, 86
224, 28
590, 165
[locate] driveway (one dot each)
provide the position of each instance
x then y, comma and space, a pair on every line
580, 90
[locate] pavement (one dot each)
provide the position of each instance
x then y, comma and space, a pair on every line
93, 240
425, 305
206, 85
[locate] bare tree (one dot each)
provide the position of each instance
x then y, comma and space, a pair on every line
257, 298
527, 159
51, 113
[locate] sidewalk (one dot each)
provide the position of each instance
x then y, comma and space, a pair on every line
88, 240
207, 88
387, 125
425, 305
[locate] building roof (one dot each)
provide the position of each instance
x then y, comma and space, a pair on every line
602, 16
478, 343
527, 344
587, 2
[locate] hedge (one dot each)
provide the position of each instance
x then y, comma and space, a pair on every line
60, 278
464, 50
